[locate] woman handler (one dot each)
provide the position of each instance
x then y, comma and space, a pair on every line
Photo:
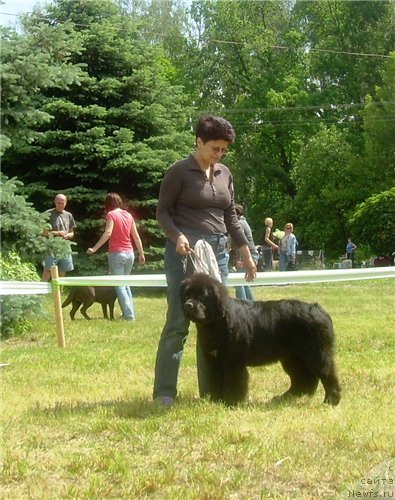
196, 201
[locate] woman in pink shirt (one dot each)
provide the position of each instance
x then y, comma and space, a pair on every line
121, 233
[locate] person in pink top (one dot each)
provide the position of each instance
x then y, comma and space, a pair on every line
122, 236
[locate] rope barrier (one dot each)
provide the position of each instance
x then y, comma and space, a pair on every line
234, 279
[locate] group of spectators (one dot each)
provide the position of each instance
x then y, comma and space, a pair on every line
285, 246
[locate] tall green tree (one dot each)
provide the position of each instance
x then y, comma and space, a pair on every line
117, 130
379, 131
348, 44
278, 70
374, 223
249, 65
327, 190
30, 64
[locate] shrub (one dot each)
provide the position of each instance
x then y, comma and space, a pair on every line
373, 222
17, 310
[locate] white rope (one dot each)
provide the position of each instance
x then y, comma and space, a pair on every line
159, 280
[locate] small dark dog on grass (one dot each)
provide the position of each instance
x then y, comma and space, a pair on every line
87, 295
235, 334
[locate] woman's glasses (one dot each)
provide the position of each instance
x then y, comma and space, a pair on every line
218, 151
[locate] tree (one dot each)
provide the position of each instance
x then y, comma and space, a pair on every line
278, 70
374, 223
31, 64
327, 190
118, 130
338, 35
379, 131
249, 79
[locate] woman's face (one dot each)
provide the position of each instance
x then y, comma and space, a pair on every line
211, 151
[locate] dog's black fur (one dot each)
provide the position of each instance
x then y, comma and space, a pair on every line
87, 295
235, 334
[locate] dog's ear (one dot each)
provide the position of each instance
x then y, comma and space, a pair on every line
183, 287
221, 296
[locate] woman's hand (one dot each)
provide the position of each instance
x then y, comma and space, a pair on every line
250, 270
182, 246
141, 259
90, 251
248, 263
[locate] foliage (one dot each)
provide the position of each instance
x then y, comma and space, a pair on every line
118, 129
23, 248
17, 311
22, 226
335, 28
326, 190
258, 73
251, 82
29, 64
379, 131
374, 223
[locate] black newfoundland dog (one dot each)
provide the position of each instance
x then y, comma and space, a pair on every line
235, 334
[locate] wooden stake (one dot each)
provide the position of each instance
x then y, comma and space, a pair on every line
58, 306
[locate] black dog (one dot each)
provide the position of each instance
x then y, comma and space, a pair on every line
87, 295
235, 334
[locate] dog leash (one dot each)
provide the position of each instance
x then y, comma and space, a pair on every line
184, 260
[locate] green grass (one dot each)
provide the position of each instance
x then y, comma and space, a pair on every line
79, 422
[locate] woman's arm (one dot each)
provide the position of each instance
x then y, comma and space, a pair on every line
104, 237
292, 246
268, 240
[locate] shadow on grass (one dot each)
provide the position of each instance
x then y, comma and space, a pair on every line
134, 408
144, 408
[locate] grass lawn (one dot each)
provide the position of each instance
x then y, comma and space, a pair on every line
79, 422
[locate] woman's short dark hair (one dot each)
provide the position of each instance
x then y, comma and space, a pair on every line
214, 128
112, 201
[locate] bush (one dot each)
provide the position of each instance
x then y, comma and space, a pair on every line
17, 310
373, 223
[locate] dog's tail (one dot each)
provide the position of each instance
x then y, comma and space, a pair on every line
69, 298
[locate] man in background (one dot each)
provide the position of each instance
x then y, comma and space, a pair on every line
62, 226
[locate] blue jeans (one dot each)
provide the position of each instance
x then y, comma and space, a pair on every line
283, 261
120, 264
64, 265
175, 331
245, 292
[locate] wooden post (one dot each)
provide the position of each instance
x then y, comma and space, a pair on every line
58, 306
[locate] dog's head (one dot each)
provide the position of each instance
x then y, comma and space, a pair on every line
203, 298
